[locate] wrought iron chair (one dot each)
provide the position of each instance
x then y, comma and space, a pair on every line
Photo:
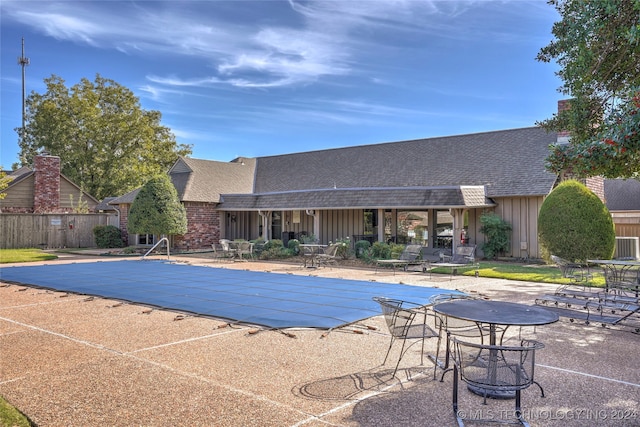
329, 255
575, 272
495, 370
449, 327
405, 321
411, 255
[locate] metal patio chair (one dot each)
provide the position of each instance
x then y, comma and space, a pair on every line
405, 321
495, 371
411, 255
329, 255
573, 271
449, 327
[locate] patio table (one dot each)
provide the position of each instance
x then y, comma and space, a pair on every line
310, 252
494, 314
615, 271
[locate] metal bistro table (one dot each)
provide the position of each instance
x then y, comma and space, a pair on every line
496, 313
616, 270
310, 253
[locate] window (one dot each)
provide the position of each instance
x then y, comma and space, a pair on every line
413, 227
146, 239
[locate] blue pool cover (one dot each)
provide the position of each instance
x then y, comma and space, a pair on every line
268, 299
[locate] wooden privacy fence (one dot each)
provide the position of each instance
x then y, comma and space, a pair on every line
51, 230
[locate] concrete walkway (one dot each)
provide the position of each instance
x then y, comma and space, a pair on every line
69, 360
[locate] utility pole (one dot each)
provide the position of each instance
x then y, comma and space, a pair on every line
23, 62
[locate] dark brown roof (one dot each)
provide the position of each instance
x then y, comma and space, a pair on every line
354, 198
508, 163
622, 194
204, 180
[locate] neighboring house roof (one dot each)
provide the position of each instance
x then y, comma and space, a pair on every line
622, 194
105, 206
204, 180
24, 173
508, 163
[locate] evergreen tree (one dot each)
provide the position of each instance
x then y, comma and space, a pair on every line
157, 210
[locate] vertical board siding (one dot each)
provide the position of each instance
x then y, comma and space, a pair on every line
340, 224
50, 230
522, 214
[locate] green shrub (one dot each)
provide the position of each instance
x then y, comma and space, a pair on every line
107, 236
274, 243
362, 248
275, 249
344, 250
574, 224
380, 250
498, 233
294, 246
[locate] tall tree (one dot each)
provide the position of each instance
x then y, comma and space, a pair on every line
157, 209
106, 142
597, 46
5, 180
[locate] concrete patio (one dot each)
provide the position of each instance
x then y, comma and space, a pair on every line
70, 360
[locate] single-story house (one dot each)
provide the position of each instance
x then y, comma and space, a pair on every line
43, 189
430, 191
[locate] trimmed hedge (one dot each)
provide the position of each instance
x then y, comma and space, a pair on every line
107, 236
574, 224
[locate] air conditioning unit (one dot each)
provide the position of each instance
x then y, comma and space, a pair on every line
627, 248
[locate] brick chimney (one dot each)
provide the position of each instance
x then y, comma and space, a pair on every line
563, 136
46, 191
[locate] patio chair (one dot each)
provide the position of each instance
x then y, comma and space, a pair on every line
244, 248
573, 271
494, 370
409, 256
463, 256
450, 327
405, 321
329, 255
218, 251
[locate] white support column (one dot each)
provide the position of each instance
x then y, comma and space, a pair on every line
316, 222
266, 230
458, 226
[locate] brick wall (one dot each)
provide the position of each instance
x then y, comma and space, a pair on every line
596, 184
203, 227
124, 218
46, 192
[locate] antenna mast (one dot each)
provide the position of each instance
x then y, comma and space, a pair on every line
23, 62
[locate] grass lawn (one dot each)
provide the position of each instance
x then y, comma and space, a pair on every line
11, 417
24, 255
519, 271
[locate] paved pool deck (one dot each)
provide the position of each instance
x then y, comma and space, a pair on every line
73, 360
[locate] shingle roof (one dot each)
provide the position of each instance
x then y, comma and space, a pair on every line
352, 198
622, 195
508, 162
198, 180
204, 180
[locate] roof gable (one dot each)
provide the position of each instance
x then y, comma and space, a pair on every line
204, 180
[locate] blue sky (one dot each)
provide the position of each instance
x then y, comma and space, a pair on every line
259, 78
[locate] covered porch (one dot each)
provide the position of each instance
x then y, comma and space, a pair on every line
436, 217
